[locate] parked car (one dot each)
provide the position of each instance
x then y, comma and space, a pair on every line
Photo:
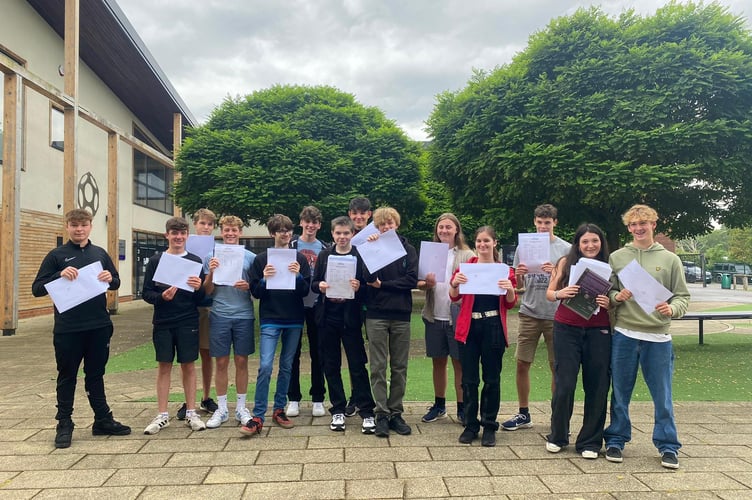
708, 277
731, 268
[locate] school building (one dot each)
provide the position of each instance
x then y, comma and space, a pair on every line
89, 121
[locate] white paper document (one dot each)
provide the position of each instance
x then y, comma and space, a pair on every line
230, 269
534, 250
363, 235
600, 268
340, 269
382, 252
433, 259
67, 294
200, 245
483, 278
174, 270
283, 278
646, 290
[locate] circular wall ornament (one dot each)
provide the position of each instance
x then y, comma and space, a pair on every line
88, 193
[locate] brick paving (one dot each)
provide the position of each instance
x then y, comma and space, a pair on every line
310, 461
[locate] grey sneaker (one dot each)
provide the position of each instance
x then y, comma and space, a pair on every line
669, 460
613, 454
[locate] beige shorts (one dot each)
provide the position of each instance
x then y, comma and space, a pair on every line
203, 327
530, 331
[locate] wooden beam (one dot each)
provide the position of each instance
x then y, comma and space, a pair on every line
71, 65
177, 141
113, 227
11, 212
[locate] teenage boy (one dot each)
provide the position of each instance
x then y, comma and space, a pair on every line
175, 323
642, 339
536, 315
339, 323
310, 247
388, 309
231, 323
204, 221
360, 212
281, 315
81, 333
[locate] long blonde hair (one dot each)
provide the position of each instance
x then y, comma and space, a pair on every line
459, 238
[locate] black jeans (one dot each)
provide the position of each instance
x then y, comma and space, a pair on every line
485, 346
93, 348
591, 349
317, 376
332, 337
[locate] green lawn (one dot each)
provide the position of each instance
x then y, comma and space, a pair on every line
719, 370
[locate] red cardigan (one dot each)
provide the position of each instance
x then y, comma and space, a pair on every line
463, 320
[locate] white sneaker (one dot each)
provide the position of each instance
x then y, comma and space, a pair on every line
218, 418
194, 422
318, 410
293, 409
369, 425
589, 454
552, 448
156, 425
242, 415
338, 422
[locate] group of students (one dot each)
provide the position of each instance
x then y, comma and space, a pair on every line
213, 320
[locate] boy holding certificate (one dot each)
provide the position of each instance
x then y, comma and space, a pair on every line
280, 279
388, 309
231, 318
83, 332
175, 324
338, 277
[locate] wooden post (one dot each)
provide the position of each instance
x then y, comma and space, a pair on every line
70, 112
177, 141
11, 212
113, 227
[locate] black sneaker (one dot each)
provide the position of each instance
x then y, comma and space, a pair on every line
108, 426
489, 437
64, 433
180, 415
613, 454
351, 409
382, 426
669, 460
467, 436
398, 425
209, 406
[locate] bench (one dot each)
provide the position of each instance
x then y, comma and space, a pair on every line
702, 316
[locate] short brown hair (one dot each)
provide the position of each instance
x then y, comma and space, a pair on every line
204, 213
382, 215
231, 220
345, 221
546, 211
278, 222
78, 215
310, 214
176, 224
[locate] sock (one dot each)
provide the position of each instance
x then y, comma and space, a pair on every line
524, 410
460, 405
222, 402
190, 413
241, 401
164, 414
440, 402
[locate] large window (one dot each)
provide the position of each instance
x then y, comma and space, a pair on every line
152, 182
57, 128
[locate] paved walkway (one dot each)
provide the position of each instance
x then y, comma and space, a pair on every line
310, 461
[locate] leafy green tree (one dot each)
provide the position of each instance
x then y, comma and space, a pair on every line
740, 245
279, 149
599, 113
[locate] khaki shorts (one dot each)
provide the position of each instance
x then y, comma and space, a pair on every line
203, 327
530, 332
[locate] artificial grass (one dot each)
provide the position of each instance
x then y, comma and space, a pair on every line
719, 370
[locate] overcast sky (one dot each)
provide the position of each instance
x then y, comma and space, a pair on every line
396, 55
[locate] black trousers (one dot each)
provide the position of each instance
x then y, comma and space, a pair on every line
93, 348
589, 348
483, 349
317, 375
332, 337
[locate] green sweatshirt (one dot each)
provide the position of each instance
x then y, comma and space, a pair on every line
667, 269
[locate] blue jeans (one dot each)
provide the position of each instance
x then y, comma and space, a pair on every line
656, 359
267, 347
